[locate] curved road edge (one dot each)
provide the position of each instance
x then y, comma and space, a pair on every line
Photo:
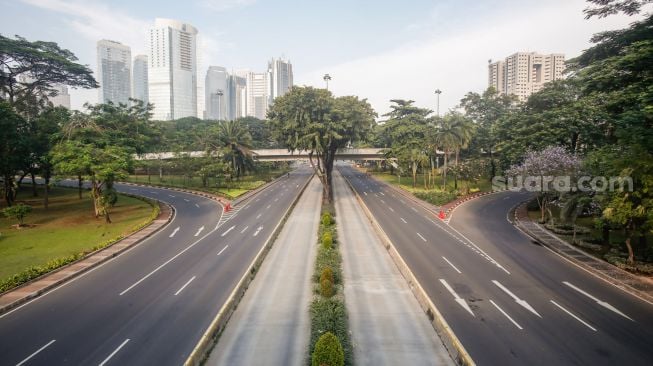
210, 337
451, 342
51, 280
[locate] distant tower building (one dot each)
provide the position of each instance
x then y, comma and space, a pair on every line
524, 73
237, 85
281, 78
62, 99
114, 71
139, 79
217, 93
172, 70
258, 94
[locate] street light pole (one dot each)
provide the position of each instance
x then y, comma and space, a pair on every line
326, 78
437, 93
220, 93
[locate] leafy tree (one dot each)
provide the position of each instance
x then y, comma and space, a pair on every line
18, 212
312, 119
14, 148
604, 8
573, 206
234, 140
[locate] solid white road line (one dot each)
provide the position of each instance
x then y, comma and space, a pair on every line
114, 352
245, 229
185, 284
458, 299
506, 315
258, 230
154, 192
258, 199
223, 249
35, 353
228, 230
574, 316
199, 231
451, 264
174, 232
402, 219
602, 303
420, 235
519, 301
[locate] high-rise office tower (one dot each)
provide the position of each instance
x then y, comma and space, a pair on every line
237, 85
258, 94
217, 93
281, 78
139, 78
524, 73
62, 99
172, 69
114, 71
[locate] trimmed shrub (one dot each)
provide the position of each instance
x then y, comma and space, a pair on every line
327, 273
437, 198
327, 220
328, 351
330, 315
326, 288
327, 240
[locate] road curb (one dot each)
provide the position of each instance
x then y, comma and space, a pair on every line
210, 337
589, 263
210, 196
451, 342
167, 212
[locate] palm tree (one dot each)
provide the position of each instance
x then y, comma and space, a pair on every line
234, 138
447, 137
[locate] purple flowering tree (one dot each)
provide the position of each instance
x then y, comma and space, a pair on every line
541, 167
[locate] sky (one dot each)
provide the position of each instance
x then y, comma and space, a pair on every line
376, 49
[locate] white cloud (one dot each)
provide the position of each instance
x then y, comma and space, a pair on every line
456, 62
222, 5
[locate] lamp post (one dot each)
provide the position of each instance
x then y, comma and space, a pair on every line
326, 78
220, 93
437, 94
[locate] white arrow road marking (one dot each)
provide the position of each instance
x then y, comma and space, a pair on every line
506, 315
519, 301
184, 286
174, 232
574, 316
602, 303
258, 230
402, 219
420, 235
276, 199
35, 353
228, 230
458, 299
223, 249
243, 230
451, 264
114, 352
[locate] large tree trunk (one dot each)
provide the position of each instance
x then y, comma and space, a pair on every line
46, 191
8, 187
444, 170
629, 246
35, 193
414, 170
80, 183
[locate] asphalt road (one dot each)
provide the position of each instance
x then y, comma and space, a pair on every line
150, 305
509, 300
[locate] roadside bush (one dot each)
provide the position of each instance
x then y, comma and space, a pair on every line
330, 315
327, 240
327, 258
18, 212
436, 198
326, 288
327, 273
328, 351
327, 220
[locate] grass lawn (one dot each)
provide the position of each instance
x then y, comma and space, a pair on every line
407, 183
228, 189
67, 227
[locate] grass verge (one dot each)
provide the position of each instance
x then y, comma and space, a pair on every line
64, 233
328, 313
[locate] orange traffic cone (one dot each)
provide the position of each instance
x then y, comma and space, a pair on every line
441, 215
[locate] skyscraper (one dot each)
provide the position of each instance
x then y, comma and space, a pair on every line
114, 71
237, 85
281, 78
172, 69
217, 93
62, 99
524, 73
139, 79
258, 94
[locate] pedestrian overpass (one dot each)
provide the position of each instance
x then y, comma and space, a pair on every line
277, 155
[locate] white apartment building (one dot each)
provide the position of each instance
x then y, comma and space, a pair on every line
62, 99
139, 78
524, 73
172, 69
258, 94
237, 85
281, 77
217, 93
113, 71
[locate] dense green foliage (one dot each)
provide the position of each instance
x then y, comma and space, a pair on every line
18, 212
328, 351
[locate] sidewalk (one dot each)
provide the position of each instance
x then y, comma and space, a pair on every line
387, 323
616, 276
40, 285
271, 325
